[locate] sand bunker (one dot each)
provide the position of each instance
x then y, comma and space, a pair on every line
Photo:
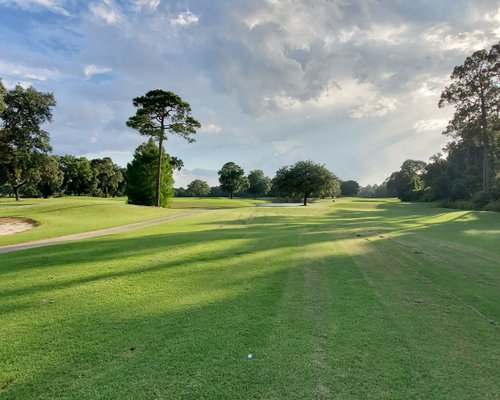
10, 225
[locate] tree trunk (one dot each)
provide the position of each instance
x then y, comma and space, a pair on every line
486, 148
16, 192
305, 199
158, 169
467, 158
486, 163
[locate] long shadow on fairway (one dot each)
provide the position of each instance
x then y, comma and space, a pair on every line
174, 314
327, 330
248, 236
257, 230
258, 237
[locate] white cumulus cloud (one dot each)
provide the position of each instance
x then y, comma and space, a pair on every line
210, 128
107, 11
21, 71
185, 18
93, 69
152, 4
430, 125
55, 6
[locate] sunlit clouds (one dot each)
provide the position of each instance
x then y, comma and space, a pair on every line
353, 85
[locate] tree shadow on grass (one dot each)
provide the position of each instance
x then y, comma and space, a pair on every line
158, 250
178, 324
193, 344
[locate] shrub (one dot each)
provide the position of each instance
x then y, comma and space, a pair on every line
458, 205
493, 206
480, 199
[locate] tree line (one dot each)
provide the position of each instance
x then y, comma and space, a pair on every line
467, 175
298, 182
28, 169
54, 176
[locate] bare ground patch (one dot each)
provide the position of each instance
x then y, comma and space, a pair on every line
10, 225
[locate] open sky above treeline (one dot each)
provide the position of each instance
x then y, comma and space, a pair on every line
351, 84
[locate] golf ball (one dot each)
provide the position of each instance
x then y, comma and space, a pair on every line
250, 356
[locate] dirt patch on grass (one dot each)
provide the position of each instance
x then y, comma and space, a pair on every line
10, 225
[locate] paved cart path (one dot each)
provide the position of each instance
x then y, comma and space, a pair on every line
92, 234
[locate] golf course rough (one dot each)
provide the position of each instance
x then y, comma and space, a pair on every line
358, 299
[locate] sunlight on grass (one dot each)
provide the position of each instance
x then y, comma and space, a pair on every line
64, 216
495, 234
371, 301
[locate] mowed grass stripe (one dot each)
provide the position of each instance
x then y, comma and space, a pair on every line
470, 279
101, 280
431, 324
172, 311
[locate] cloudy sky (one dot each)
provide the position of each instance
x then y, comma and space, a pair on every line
352, 84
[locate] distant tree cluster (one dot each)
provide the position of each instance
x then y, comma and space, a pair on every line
68, 175
375, 191
447, 180
469, 175
475, 94
306, 179
27, 168
198, 188
298, 182
349, 188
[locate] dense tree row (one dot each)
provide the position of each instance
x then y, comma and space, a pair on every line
27, 168
68, 175
448, 180
469, 175
375, 191
297, 182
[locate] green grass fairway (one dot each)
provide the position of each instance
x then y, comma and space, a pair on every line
358, 299
65, 216
213, 202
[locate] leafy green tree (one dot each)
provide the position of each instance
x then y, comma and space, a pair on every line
367, 191
259, 184
120, 190
79, 178
198, 188
407, 183
181, 192
232, 178
51, 177
475, 94
160, 112
304, 179
3, 92
349, 188
282, 183
108, 176
22, 140
374, 190
216, 191
141, 176
177, 163
332, 190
